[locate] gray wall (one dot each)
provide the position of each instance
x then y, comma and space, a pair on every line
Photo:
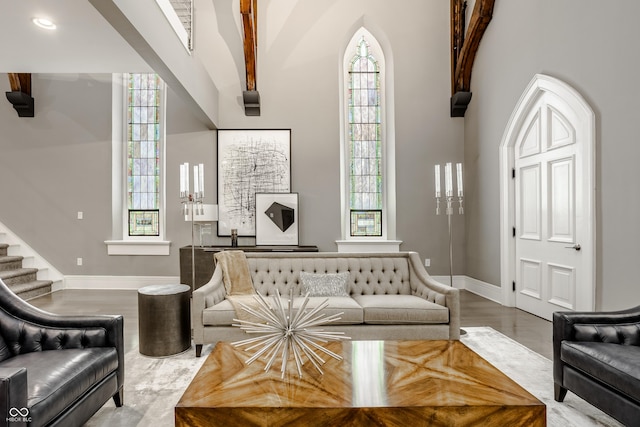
590, 45
59, 162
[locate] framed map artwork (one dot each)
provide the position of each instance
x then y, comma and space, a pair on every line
250, 162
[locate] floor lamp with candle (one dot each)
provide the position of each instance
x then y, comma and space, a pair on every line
192, 203
449, 198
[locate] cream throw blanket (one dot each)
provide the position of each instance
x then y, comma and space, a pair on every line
237, 282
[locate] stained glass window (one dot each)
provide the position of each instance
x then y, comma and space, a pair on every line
365, 143
143, 154
366, 223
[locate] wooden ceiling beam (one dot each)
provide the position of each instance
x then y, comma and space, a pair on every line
464, 47
251, 97
248, 10
458, 13
20, 82
480, 18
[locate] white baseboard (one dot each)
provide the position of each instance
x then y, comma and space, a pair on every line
117, 282
478, 287
484, 289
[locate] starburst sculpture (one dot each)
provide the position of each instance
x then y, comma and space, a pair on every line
286, 332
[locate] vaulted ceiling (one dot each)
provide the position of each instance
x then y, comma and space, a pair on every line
84, 42
106, 36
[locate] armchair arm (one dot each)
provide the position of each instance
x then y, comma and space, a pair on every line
430, 289
13, 393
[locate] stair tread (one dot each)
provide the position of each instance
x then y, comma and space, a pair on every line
22, 287
23, 281
17, 272
33, 289
10, 258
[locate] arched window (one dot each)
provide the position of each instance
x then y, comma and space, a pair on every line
368, 170
365, 144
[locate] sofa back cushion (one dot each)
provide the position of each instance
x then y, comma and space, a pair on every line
377, 274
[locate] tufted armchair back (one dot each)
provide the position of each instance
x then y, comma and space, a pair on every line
18, 336
373, 274
626, 334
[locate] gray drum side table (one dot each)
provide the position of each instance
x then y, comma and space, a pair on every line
164, 321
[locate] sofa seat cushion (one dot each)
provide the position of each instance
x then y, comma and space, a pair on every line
616, 365
223, 313
56, 378
400, 309
352, 313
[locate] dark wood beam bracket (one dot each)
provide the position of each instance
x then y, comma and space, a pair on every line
464, 48
251, 97
20, 95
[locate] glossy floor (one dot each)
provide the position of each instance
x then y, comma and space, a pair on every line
531, 331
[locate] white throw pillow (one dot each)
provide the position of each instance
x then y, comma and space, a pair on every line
325, 285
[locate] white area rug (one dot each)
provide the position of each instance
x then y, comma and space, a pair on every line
154, 386
535, 374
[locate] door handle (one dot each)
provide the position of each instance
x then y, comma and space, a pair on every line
576, 247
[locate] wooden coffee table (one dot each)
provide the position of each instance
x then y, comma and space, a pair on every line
383, 383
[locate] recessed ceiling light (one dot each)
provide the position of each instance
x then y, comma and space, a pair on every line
44, 23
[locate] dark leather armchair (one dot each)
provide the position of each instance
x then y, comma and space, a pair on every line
56, 370
597, 356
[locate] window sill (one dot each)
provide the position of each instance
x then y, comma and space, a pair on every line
138, 247
367, 245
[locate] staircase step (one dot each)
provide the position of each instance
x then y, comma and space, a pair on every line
32, 289
10, 262
19, 276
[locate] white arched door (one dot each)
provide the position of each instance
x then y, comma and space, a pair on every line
551, 252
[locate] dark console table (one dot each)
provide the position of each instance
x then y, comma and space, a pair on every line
205, 263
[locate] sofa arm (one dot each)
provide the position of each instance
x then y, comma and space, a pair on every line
425, 286
13, 395
205, 296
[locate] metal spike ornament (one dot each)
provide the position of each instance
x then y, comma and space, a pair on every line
286, 332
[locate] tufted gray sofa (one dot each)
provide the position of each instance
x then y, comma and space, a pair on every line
56, 370
596, 355
391, 296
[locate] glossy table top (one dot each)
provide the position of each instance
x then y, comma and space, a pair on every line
421, 377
